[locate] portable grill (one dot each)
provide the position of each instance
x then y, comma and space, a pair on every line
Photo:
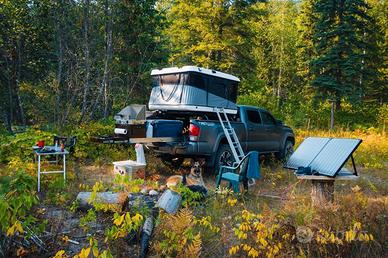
130, 122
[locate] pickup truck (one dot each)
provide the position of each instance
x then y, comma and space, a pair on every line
203, 136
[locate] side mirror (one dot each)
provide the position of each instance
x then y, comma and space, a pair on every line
279, 122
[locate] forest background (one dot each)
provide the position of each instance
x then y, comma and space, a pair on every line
66, 62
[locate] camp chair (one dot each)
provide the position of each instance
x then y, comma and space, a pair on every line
236, 174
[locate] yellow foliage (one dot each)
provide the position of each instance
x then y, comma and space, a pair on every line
60, 254
16, 227
178, 239
84, 253
234, 249
232, 202
194, 249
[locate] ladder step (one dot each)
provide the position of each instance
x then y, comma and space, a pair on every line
229, 131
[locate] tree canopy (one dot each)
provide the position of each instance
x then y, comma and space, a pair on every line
65, 61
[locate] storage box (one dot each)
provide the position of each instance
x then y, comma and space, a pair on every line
167, 128
129, 168
132, 130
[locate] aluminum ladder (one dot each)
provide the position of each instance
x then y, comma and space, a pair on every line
231, 136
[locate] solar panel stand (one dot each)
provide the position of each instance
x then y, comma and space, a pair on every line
354, 165
344, 174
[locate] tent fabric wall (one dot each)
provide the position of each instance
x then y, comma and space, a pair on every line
192, 91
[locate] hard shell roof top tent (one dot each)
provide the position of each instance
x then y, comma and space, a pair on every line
192, 88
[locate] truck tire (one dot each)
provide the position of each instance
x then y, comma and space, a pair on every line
287, 150
171, 161
224, 157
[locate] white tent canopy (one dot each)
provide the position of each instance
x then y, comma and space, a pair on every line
192, 88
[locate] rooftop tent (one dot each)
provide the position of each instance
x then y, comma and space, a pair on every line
192, 88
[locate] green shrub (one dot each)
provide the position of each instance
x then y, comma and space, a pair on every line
20, 145
15, 204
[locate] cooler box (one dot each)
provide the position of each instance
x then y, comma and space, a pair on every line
167, 128
129, 168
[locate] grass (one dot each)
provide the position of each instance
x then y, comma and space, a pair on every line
279, 201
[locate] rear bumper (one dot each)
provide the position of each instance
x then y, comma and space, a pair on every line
187, 149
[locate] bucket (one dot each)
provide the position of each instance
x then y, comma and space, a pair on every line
40, 143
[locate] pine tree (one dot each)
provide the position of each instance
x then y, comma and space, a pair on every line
377, 86
339, 39
305, 50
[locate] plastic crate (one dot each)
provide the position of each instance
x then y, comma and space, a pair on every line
129, 168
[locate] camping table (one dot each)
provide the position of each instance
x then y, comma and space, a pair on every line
54, 153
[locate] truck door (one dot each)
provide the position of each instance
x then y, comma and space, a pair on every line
272, 132
255, 130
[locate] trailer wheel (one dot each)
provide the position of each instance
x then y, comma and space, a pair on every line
224, 157
172, 162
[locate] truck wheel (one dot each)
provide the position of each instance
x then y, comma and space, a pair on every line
287, 150
224, 157
172, 162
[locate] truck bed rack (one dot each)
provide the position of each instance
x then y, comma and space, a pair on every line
118, 140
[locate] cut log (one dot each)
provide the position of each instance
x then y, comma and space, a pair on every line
113, 201
146, 233
322, 192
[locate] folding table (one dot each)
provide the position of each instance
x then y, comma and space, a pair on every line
50, 151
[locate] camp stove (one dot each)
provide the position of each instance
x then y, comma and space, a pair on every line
130, 122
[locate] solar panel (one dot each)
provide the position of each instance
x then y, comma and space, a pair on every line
324, 155
306, 152
334, 155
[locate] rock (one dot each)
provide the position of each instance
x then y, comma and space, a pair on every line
170, 201
138, 200
153, 192
70, 224
144, 191
114, 200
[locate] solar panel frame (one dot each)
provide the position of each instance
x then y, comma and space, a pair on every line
319, 150
339, 151
312, 146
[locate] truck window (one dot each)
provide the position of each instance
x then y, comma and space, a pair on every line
254, 116
268, 118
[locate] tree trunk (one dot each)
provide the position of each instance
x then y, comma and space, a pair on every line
87, 63
322, 192
17, 84
279, 88
108, 55
7, 122
60, 32
10, 98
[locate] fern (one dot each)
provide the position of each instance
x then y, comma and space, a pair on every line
194, 249
177, 238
